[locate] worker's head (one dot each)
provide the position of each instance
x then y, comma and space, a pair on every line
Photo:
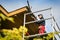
40, 16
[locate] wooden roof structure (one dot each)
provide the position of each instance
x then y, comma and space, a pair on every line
19, 19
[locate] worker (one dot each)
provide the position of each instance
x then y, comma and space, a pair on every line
41, 24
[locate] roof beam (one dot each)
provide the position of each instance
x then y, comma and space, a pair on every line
20, 10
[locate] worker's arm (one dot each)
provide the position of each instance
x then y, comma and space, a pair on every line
34, 18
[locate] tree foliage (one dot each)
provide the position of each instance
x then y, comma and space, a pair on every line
15, 34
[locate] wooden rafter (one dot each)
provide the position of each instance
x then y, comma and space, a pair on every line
20, 10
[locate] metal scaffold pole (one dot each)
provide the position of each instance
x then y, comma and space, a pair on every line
40, 34
38, 20
38, 11
24, 25
52, 23
53, 19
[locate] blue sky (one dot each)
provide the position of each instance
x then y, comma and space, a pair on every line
11, 5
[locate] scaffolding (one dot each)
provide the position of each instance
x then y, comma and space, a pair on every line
52, 17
